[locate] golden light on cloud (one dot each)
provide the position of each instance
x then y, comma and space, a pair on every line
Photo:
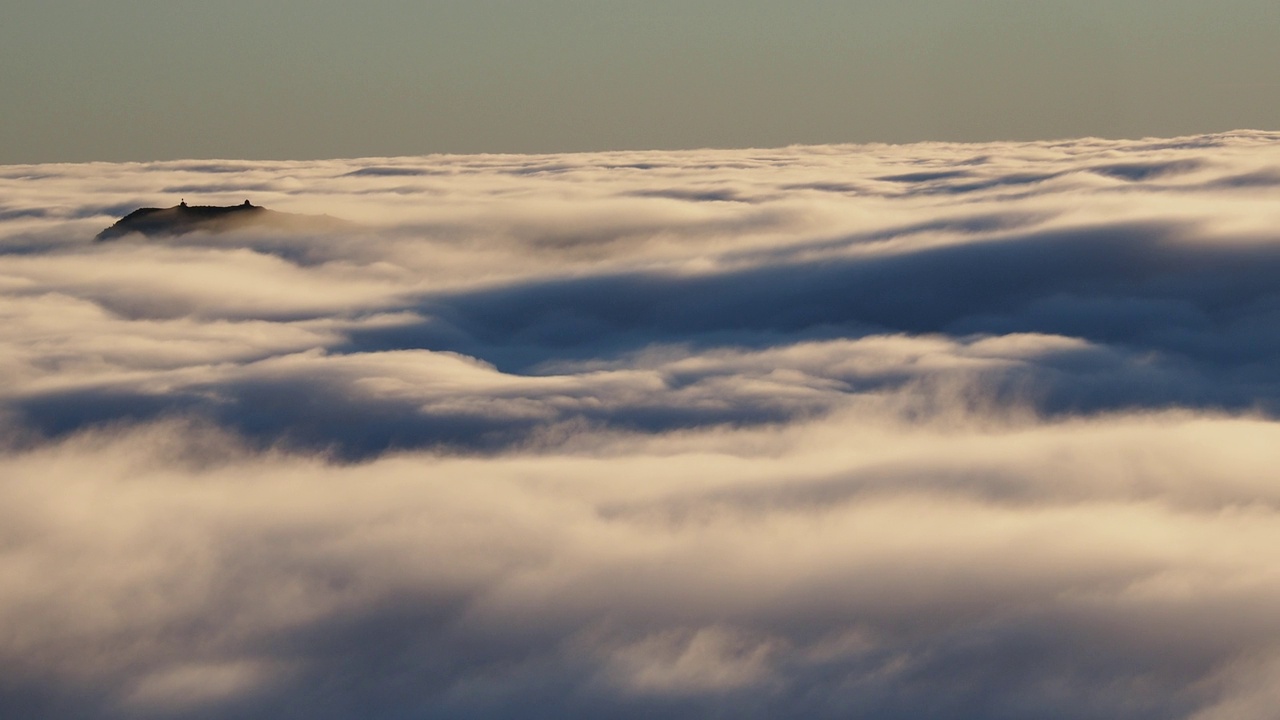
930, 431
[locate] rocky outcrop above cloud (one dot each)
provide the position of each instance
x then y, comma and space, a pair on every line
183, 218
931, 431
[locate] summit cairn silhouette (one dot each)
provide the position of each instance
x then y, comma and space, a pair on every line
183, 218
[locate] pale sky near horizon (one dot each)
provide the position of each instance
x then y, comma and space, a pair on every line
159, 79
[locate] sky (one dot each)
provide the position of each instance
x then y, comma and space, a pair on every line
140, 80
946, 431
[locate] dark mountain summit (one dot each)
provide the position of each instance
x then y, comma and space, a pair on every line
184, 218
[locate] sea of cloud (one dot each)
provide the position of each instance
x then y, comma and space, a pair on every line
928, 431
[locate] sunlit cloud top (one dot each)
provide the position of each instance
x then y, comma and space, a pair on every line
936, 430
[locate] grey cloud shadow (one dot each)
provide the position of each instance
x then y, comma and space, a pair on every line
1149, 170
41, 242
310, 412
412, 654
965, 225
58, 414
723, 195
315, 415
213, 188
1259, 179
25, 174
1013, 180
1178, 294
204, 167
379, 171
44, 699
638, 166
1175, 324
940, 182
23, 213
831, 187
1007, 667
1202, 142
544, 169
85, 212
925, 176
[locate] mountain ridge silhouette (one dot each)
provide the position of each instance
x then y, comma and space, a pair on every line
183, 218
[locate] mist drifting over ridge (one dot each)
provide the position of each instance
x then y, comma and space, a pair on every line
928, 431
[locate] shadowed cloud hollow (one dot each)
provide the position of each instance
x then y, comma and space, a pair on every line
926, 431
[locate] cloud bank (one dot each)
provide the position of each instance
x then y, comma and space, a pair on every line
926, 431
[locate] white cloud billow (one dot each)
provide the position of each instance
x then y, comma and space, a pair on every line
943, 431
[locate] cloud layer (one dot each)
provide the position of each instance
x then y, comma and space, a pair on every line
929, 431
